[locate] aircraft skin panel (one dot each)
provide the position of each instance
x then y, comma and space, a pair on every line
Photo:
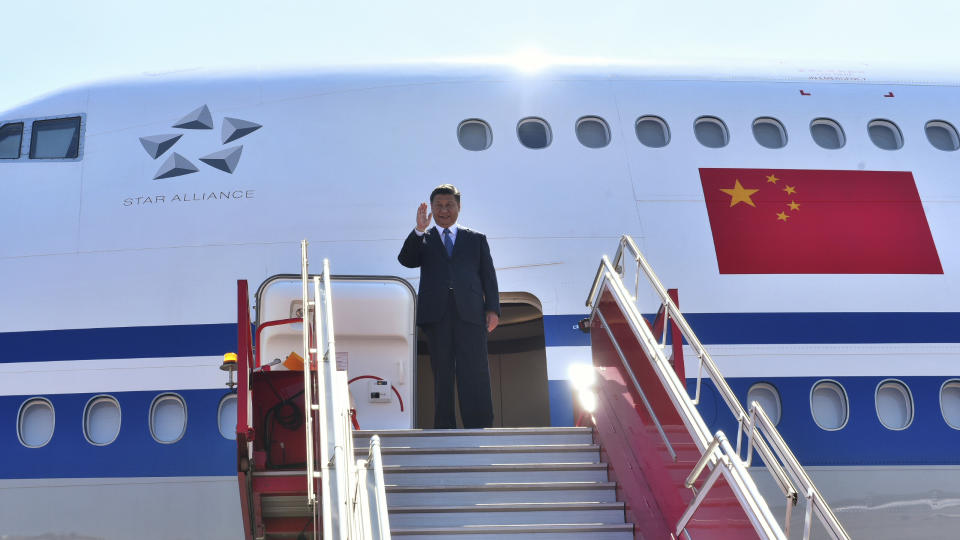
194, 285
120, 283
44, 203
113, 375
111, 508
101, 218
879, 501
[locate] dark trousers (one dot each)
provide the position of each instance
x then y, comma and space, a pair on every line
458, 351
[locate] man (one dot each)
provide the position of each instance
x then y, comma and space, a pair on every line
457, 306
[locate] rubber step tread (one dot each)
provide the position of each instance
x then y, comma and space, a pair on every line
281, 473
515, 529
511, 507
519, 486
364, 433
506, 467
513, 448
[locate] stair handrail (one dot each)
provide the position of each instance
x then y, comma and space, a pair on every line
371, 503
313, 338
756, 425
340, 473
741, 484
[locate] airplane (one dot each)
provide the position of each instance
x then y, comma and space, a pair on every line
133, 206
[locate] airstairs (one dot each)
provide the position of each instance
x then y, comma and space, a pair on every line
303, 481
504, 484
644, 466
678, 479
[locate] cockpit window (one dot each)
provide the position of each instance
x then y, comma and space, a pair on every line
11, 135
55, 139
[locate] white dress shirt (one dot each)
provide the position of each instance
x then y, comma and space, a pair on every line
453, 232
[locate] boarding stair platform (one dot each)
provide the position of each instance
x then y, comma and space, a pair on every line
640, 463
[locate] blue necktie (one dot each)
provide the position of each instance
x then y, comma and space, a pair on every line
447, 242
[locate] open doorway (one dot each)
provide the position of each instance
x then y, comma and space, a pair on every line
518, 367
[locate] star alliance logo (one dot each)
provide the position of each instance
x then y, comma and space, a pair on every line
225, 160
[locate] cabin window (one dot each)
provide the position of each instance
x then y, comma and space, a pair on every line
35, 422
653, 131
534, 133
942, 135
885, 134
55, 139
168, 418
593, 132
474, 135
950, 403
227, 417
827, 133
767, 396
11, 135
101, 420
769, 132
829, 405
894, 405
711, 132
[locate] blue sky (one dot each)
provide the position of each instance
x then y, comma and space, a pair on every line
57, 43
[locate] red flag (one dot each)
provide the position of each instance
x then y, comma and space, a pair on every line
790, 221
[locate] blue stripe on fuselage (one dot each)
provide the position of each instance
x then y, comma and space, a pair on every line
119, 342
802, 328
202, 451
928, 440
559, 330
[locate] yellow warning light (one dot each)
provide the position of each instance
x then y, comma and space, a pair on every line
229, 358
230, 366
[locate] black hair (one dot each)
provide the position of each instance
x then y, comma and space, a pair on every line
445, 189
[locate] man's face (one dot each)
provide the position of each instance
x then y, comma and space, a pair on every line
445, 210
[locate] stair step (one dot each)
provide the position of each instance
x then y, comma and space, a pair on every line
518, 532
521, 492
288, 527
494, 474
507, 514
420, 438
285, 506
489, 455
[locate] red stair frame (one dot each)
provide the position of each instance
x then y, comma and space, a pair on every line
648, 480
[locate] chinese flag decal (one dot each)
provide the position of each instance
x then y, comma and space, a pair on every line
784, 221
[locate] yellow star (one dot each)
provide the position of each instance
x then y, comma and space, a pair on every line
782, 216
739, 194
793, 205
790, 190
772, 179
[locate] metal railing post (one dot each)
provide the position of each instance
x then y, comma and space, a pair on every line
307, 393
350, 508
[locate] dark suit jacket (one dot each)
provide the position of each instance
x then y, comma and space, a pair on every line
469, 272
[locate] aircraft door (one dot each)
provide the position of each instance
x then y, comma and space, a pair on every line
518, 367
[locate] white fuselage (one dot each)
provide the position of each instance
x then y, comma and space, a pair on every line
116, 283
